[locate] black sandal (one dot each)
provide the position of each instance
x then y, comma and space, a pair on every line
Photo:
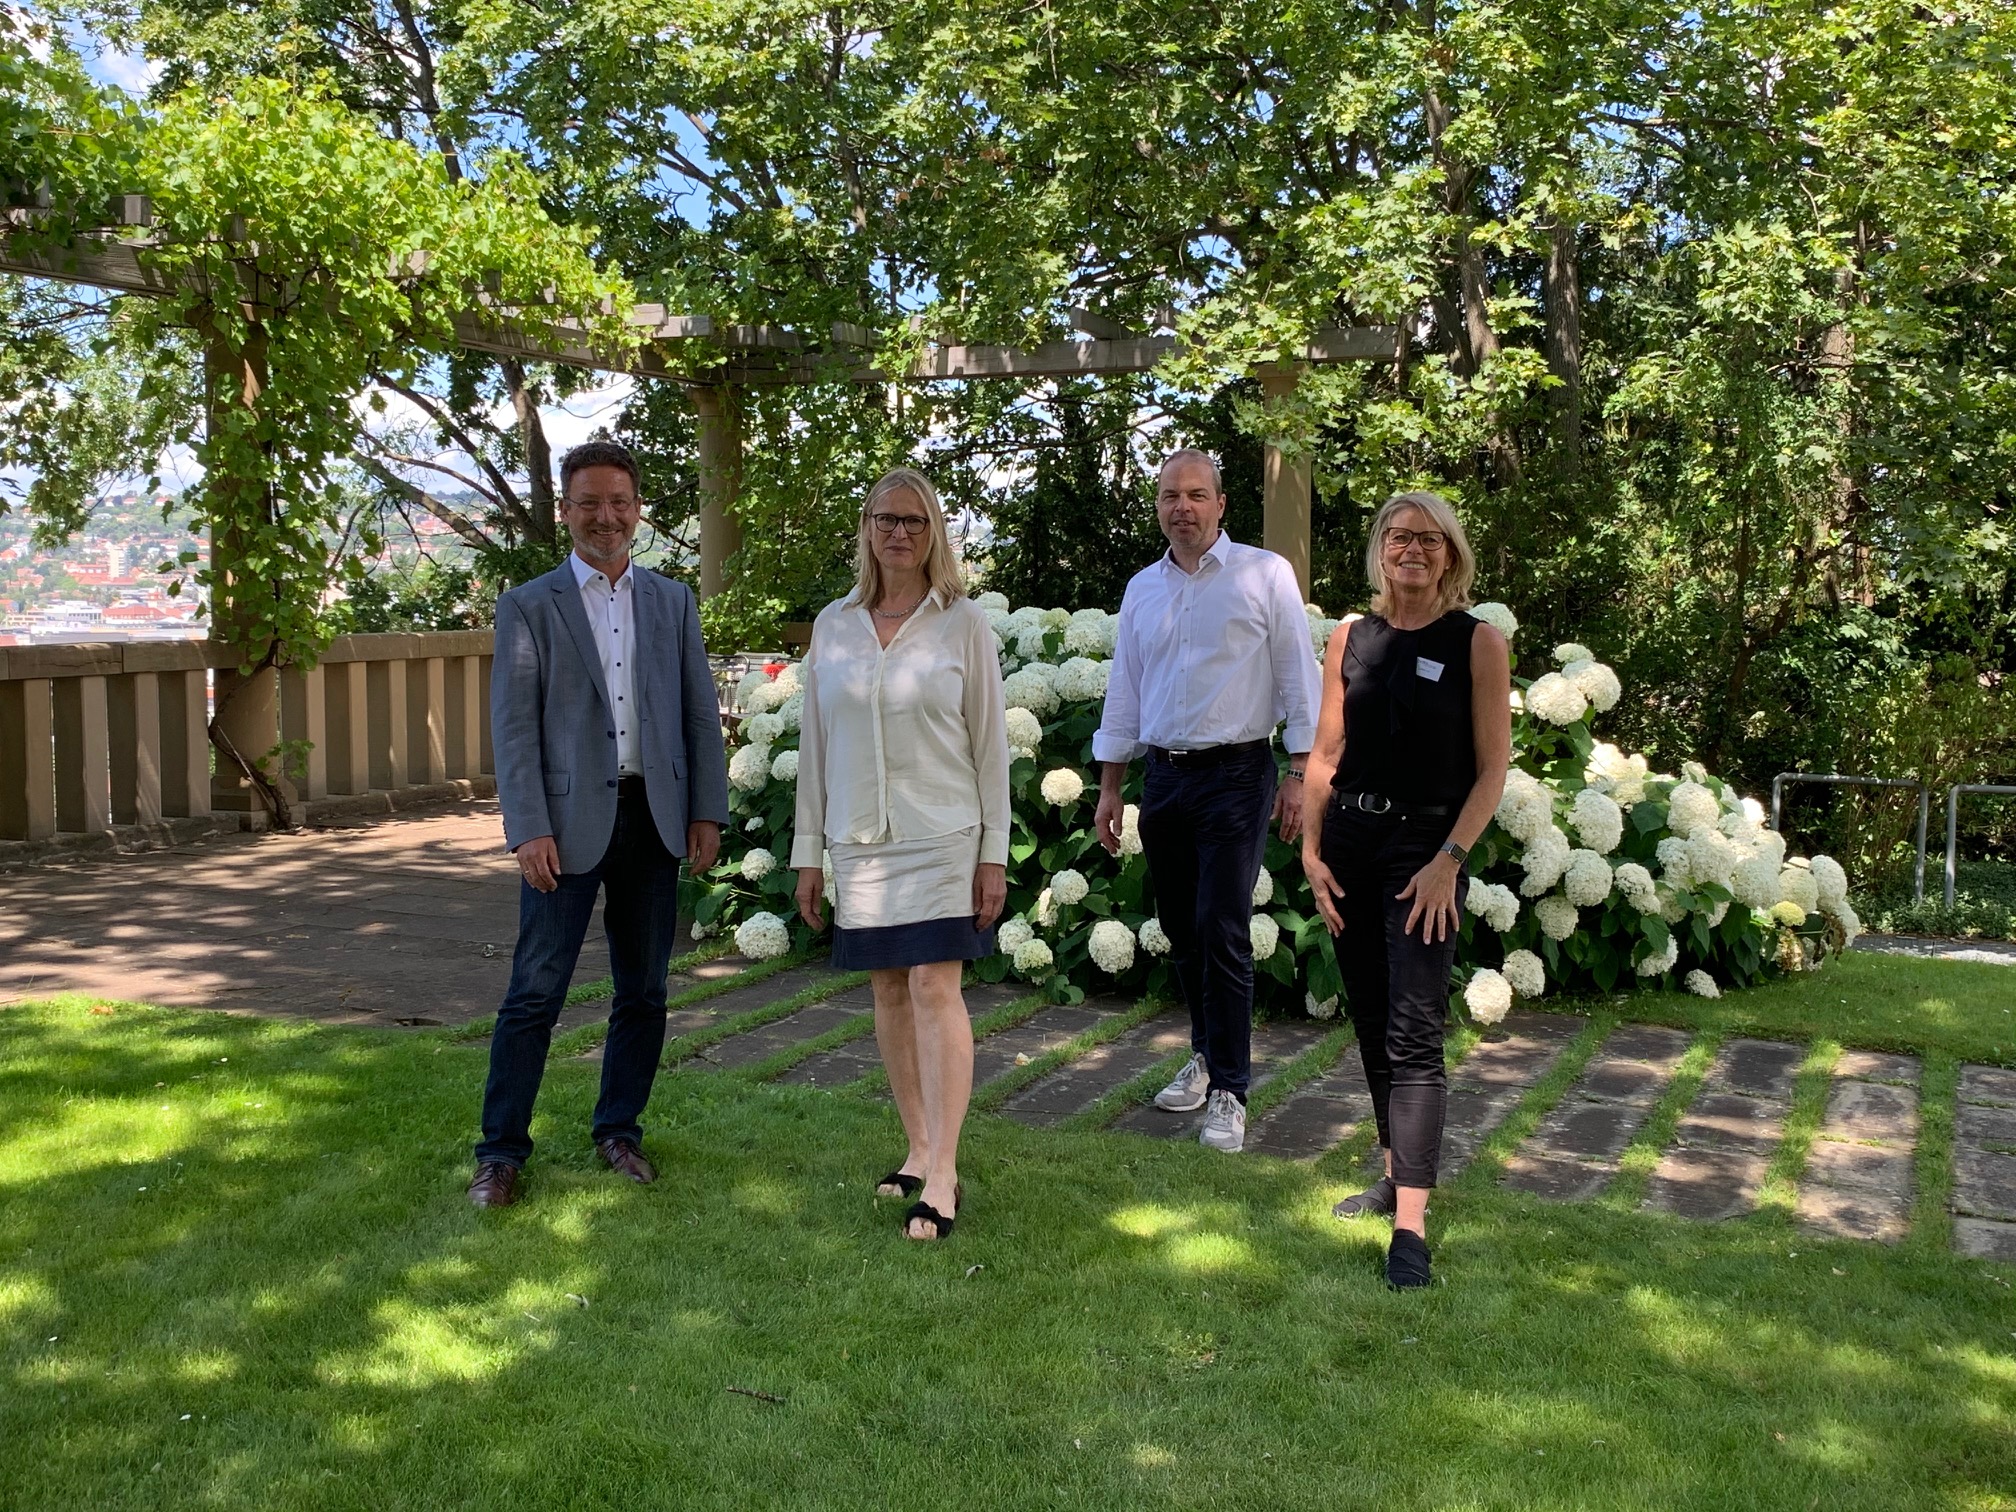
906, 1185
930, 1215
1379, 1198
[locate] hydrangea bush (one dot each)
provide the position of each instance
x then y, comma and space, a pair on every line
1597, 873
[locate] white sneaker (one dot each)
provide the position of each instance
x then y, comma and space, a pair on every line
1224, 1124
1186, 1093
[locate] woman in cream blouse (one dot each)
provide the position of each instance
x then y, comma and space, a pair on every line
903, 779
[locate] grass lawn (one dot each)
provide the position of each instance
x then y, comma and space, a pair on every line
236, 1270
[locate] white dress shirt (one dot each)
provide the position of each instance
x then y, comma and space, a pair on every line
907, 743
1210, 658
612, 617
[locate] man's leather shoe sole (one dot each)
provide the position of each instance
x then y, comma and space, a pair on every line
496, 1184
627, 1160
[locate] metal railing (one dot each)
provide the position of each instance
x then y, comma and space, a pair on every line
1830, 779
1953, 824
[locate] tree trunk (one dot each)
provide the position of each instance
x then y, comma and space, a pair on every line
1562, 291
539, 498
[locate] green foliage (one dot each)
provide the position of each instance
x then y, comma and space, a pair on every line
419, 595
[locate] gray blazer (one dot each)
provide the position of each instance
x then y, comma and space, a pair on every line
551, 726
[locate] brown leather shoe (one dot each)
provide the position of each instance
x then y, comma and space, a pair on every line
626, 1159
496, 1184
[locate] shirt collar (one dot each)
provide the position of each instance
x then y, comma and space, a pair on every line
583, 573
1217, 553
935, 597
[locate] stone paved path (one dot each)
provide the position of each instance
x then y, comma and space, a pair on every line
1984, 1163
1573, 1154
1723, 1146
1073, 1088
1274, 1045
1860, 1171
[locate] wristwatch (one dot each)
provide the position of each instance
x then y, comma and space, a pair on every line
1294, 774
1451, 848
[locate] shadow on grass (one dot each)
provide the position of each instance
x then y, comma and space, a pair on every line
300, 1311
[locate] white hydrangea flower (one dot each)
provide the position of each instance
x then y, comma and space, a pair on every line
790, 679
1503, 911
1012, 936
1671, 909
1025, 733
785, 767
1045, 910
1081, 680
1265, 935
1325, 1009
751, 681
1527, 809
1525, 972
1263, 889
1130, 830
1673, 859
1701, 984
1597, 683
1572, 651
1033, 958
1691, 806
1069, 886
698, 933
1598, 820
762, 936
1557, 700
1320, 631
1062, 785
1558, 917
755, 823
1660, 962
1111, 946
792, 711
1152, 937
757, 863
1029, 640
763, 729
1487, 995
1769, 844
763, 697
831, 890
1753, 811
1637, 886
1693, 771
994, 603
1092, 632
1851, 923
1056, 619
1797, 885
1587, 879
1497, 616
1755, 882
1032, 690
1545, 860
749, 768
1712, 856
1831, 881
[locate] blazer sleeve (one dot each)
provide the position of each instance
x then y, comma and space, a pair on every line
987, 728
700, 708
517, 701
808, 828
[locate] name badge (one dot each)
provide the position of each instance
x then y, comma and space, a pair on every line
1431, 670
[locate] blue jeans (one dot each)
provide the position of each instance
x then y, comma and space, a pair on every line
641, 918
1204, 830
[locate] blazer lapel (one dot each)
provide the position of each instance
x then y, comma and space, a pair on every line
574, 615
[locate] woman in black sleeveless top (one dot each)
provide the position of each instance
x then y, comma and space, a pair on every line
1407, 770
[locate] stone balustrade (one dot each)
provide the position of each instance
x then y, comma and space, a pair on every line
94, 736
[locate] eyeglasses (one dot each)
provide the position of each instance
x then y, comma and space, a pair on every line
913, 525
619, 505
1431, 540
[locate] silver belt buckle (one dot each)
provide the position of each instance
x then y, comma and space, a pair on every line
1366, 801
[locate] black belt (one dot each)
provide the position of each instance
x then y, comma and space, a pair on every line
1210, 756
630, 787
1379, 803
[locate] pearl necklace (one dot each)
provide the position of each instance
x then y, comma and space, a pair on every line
897, 614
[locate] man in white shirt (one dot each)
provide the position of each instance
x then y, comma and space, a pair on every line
609, 770
1213, 654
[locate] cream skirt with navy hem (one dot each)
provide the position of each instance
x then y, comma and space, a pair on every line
906, 902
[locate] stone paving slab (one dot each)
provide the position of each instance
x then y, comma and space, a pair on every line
1073, 1088
1760, 1068
1984, 1163
1984, 1184
1321, 1114
1859, 1174
1723, 1144
1048, 1030
1985, 1125
1983, 1239
1591, 1126
1706, 1184
1988, 1084
808, 1023
1275, 1043
855, 1059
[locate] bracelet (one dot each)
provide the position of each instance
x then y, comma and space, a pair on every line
1294, 774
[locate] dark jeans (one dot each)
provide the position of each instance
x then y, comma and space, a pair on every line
1397, 985
1204, 831
641, 919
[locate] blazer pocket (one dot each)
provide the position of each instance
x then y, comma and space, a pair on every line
558, 784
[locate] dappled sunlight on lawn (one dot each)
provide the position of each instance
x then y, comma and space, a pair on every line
425, 1345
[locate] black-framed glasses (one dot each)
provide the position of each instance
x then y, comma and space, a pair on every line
1400, 536
912, 525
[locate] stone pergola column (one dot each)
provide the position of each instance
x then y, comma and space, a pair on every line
720, 438
1285, 502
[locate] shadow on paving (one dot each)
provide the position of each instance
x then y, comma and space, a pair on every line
299, 1310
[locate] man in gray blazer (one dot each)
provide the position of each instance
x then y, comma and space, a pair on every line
610, 768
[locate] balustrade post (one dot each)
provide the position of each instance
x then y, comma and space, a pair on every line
83, 756
185, 744
465, 715
133, 707
348, 716
27, 760
487, 761
248, 712
304, 716
427, 720
385, 687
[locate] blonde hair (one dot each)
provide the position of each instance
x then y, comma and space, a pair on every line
941, 563
1453, 589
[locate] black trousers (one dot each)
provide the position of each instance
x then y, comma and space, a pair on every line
1204, 831
1396, 985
